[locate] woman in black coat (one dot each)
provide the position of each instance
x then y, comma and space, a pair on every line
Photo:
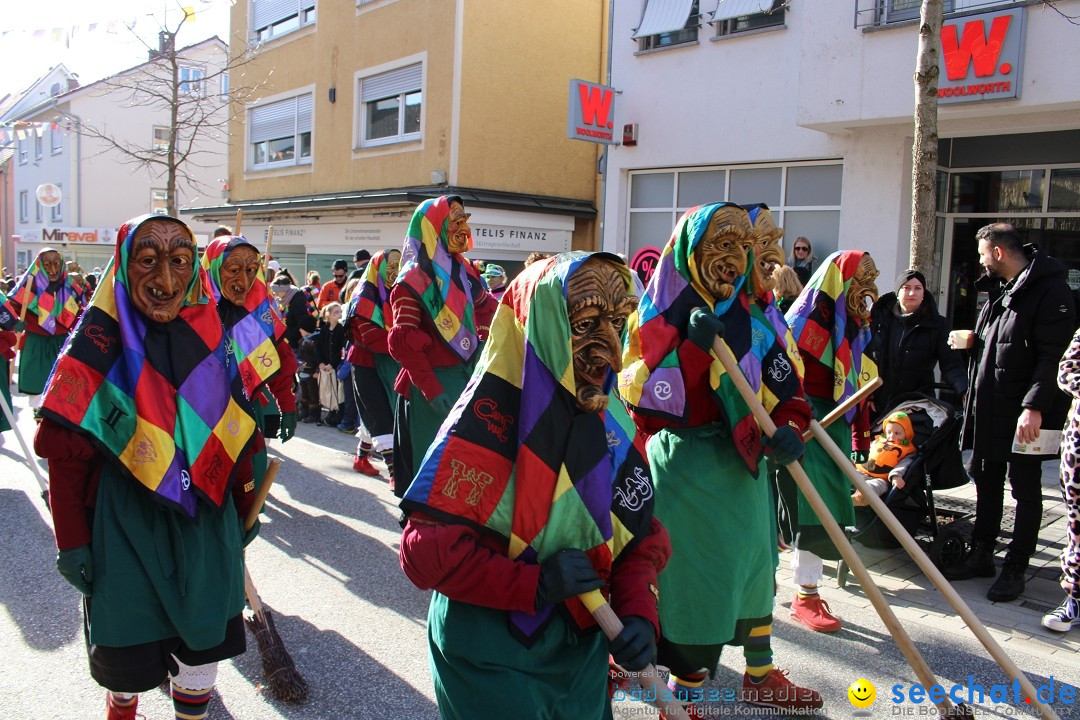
911, 339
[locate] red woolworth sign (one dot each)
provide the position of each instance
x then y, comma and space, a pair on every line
592, 113
982, 56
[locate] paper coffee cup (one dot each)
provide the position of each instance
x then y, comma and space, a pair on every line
962, 339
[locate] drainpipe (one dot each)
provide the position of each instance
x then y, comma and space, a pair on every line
603, 161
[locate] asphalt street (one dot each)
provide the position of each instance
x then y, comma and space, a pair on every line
326, 564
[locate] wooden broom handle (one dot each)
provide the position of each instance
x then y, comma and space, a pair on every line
843, 407
239, 220
260, 497
610, 623
858, 569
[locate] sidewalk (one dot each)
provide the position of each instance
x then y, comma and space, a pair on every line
1015, 625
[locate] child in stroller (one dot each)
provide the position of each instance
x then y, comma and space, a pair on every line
936, 464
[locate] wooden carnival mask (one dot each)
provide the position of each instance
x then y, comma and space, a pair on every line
393, 264
598, 304
863, 291
768, 252
159, 269
458, 232
238, 273
720, 256
53, 264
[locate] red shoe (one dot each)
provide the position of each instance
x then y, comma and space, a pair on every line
363, 465
114, 711
776, 691
814, 613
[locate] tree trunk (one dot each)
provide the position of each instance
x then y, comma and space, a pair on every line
924, 151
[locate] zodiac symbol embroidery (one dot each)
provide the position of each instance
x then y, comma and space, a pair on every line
612, 440
68, 386
459, 473
662, 390
185, 479
145, 452
779, 370
265, 360
465, 343
446, 324
637, 492
497, 422
216, 466
97, 334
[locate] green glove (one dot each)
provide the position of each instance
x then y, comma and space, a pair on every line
288, 426
253, 532
20, 326
442, 404
703, 328
859, 457
77, 567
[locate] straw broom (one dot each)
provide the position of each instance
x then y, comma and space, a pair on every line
282, 677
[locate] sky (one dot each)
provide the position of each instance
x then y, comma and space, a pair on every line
91, 39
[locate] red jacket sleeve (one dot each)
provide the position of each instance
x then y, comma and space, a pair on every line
74, 471
454, 560
280, 383
7, 344
369, 335
634, 590
484, 308
408, 342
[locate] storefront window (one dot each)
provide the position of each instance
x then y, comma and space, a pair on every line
1065, 190
757, 185
996, 191
652, 190
814, 185
698, 188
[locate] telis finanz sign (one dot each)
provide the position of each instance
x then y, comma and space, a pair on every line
982, 55
591, 114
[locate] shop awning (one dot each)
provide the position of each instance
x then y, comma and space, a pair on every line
730, 9
662, 16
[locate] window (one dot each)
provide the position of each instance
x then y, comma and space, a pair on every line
192, 81
161, 139
1065, 190
391, 104
273, 18
883, 12
56, 139
225, 85
736, 16
56, 212
804, 199
280, 133
667, 22
24, 206
39, 142
159, 201
37, 210
24, 150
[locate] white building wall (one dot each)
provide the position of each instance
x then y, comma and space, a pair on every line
817, 89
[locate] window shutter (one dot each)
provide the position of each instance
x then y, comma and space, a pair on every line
389, 84
268, 12
303, 113
731, 9
275, 120
663, 16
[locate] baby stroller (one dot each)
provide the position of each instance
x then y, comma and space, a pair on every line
943, 533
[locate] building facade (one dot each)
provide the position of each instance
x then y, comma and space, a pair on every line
808, 107
365, 108
83, 145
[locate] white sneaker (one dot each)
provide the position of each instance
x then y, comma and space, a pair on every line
1065, 617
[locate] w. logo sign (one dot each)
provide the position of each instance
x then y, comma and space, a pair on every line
982, 55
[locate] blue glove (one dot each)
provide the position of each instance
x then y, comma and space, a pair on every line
77, 567
288, 426
786, 445
703, 328
253, 532
635, 646
442, 404
563, 575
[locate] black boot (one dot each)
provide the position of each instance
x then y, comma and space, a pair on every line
979, 563
1010, 582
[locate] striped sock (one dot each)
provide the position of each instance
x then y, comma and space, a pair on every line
687, 687
363, 448
807, 590
758, 653
120, 706
190, 704
388, 458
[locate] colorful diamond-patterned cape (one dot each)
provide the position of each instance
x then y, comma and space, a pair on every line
517, 459
372, 302
820, 324
9, 317
56, 305
440, 279
254, 329
155, 398
652, 380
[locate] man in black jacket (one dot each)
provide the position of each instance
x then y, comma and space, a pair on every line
1020, 336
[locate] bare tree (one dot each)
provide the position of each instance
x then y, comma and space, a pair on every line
196, 118
924, 151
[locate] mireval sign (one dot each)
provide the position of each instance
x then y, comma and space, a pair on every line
592, 113
79, 235
983, 55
